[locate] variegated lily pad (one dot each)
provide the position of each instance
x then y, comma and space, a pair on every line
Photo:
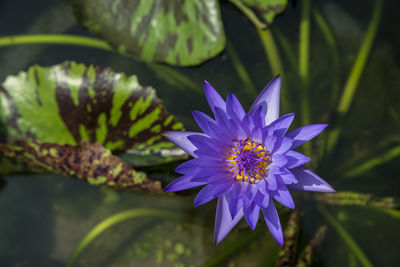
86, 161
178, 32
70, 102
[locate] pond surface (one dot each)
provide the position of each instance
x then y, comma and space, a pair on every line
45, 216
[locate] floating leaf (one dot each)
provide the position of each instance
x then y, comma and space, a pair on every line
86, 161
180, 32
70, 102
266, 10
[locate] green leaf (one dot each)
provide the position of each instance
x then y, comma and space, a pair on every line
180, 32
266, 10
86, 161
70, 102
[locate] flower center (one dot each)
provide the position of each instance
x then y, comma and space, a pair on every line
247, 161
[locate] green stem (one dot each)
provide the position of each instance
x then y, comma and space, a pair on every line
272, 53
357, 70
304, 59
241, 70
111, 221
249, 14
330, 39
271, 50
347, 238
372, 163
61, 39
359, 64
287, 48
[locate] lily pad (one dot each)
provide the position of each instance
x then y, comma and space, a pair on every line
86, 161
70, 102
266, 10
179, 32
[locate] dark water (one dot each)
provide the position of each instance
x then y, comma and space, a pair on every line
44, 217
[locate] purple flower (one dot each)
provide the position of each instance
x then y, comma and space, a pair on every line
246, 160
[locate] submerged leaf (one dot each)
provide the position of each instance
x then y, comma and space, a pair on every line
266, 10
86, 161
70, 102
180, 32
291, 233
358, 199
307, 254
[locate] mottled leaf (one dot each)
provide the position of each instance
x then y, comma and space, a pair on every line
266, 10
179, 32
86, 161
67, 103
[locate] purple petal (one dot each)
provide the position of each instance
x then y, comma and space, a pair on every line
250, 194
287, 178
263, 187
188, 167
282, 145
279, 160
239, 188
247, 124
203, 120
309, 181
281, 125
203, 142
222, 120
210, 192
223, 220
234, 108
259, 117
251, 215
182, 183
219, 178
269, 99
295, 159
235, 205
272, 219
283, 196
270, 142
213, 98
303, 134
261, 200
272, 183
180, 139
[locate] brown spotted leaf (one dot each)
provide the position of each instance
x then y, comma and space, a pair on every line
86, 161
70, 102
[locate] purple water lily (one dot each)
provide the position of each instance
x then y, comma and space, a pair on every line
246, 160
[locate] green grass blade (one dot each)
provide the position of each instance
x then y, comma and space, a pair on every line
112, 221
241, 70
357, 70
331, 41
275, 62
372, 163
287, 48
304, 59
351, 243
61, 39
